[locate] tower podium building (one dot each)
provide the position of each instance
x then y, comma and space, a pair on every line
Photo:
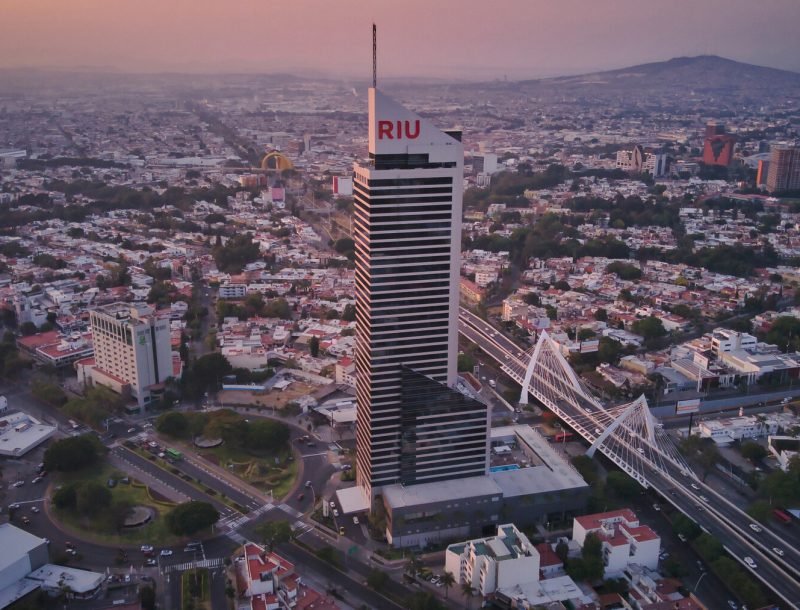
407, 230
422, 448
132, 351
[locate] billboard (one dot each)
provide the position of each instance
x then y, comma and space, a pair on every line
684, 407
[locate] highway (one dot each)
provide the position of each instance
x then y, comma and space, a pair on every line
682, 488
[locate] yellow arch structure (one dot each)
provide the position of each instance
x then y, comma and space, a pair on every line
275, 161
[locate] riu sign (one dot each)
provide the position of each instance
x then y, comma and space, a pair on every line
398, 130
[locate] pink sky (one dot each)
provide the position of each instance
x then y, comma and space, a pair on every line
445, 38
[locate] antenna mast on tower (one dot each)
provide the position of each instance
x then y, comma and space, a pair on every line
374, 56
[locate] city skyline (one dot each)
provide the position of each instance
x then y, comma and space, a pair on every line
312, 38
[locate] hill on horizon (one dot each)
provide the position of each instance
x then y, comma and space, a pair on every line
702, 73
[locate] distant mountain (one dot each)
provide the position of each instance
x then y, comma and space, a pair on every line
704, 74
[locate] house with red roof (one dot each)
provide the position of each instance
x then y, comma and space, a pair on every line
624, 540
269, 582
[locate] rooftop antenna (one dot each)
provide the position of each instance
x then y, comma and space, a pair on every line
374, 56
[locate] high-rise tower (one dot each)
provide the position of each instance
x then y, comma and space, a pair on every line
407, 233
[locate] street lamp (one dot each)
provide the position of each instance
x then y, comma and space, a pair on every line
698, 581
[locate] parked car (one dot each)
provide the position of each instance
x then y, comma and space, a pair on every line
355, 522
146, 548
165, 552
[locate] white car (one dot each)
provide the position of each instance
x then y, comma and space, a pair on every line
777, 551
355, 522
695, 487
704, 499
335, 513
750, 563
146, 548
656, 507
165, 552
755, 527
332, 504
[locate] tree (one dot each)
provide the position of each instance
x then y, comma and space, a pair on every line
313, 346
562, 550
278, 308
190, 517
92, 498
173, 424
753, 451
147, 597
272, 533
465, 362
469, 593
623, 485
413, 564
650, 328
72, 453
349, 313
624, 271
423, 600
238, 251
685, 526
448, 580
65, 497
266, 436
27, 329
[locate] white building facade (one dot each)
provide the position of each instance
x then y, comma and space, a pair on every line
625, 541
487, 564
132, 350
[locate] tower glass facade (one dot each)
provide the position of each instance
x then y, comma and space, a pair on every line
407, 233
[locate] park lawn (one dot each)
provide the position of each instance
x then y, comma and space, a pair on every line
134, 493
196, 586
259, 470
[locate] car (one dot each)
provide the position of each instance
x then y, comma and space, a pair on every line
311, 444
681, 537
150, 562
14, 506
732, 605
35, 509
755, 528
341, 530
640, 450
69, 545
347, 467
704, 499
777, 551
750, 563
656, 507
19, 484
700, 566
335, 513
165, 552
36, 480
26, 521
355, 522
695, 486
308, 483
300, 497
72, 551
131, 430
332, 504
146, 548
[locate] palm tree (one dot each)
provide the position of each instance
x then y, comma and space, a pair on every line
448, 580
469, 592
413, 564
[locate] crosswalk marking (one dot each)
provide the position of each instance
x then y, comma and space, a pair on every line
190, 565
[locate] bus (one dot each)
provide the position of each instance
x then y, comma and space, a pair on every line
782, 516
562, 437
173, 454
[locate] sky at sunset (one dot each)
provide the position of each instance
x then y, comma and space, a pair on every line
465, 39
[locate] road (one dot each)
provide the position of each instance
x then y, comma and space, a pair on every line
719, 516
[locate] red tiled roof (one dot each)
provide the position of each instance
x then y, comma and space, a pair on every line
547, 556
